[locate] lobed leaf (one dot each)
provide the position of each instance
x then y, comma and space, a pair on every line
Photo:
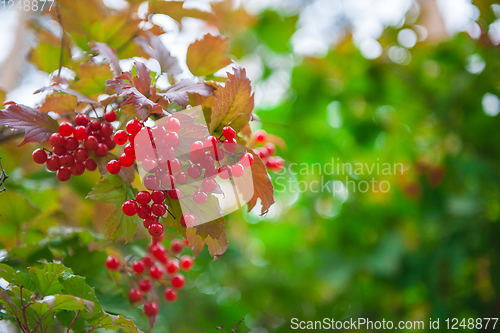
108, 53
233, 103
37, 125
59, 103
179, 92
262, 183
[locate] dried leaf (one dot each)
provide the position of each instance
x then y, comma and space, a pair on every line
207, 56
156, 50
38, 126
233, 103
263, 186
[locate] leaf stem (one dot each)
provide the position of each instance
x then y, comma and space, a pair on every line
72, 322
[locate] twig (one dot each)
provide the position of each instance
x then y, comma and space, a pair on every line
72, 322
3, 177
23, 309
38, 324
220, 328
62, 40
238, 325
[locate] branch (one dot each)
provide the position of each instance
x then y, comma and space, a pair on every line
234, 329
220, 328
3, 177
72, 322
62, 40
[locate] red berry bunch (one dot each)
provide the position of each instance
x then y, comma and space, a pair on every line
159, 266
73, 144
267, 151
127, 159
149, 206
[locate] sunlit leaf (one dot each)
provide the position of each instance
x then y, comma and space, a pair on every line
206, 56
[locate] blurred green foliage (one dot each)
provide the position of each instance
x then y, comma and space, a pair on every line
426, 249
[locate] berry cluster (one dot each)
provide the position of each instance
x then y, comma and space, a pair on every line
127, 159
149, 213
73, 145
159, 265
267, 151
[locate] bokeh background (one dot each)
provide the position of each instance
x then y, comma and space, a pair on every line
357, 81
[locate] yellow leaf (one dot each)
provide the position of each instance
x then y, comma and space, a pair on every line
59, 103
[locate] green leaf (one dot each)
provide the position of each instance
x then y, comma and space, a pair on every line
75, 285
115, 323
15, 209
120, 225
55, 303
208, 55
47, 279
91, 78
16, 278
110, 189
276, 30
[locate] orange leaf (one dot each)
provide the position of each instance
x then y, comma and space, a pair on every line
207, 56
233, 103
263, 186
59, 103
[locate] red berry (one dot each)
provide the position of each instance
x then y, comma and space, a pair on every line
63, 174
145, 285
158, 209
170, 295
53, 163
130, 208
121, 137
200, 197
143, 197
174, 193
109, 142
207, 162
260, 136
148, 261
134, 295
39, 156
106, 130
57, 140
133, 126
110, 116
80, 133
138, 267
158, 196
71, 144
178, 281
157, 250
150, 309
172, 139
151, 182
95, 125
90, 164
81, 120
246, 160
149, 165
90, 143
228, 132
155, 229
59, 151
224, 171
197, 148
188, 220
174, 165
66, 129
211, 142
77, 169
176, 246
144, 211
101, 150
173, 124
208, 184
67, 160
230, 145
271, 148
155, 272
186, 242
113, 167
157, 240
172, 266
129, 150
194, 171
126, 161
237, 170
181, 178
167, 181
112, 263
149, 220
186, 263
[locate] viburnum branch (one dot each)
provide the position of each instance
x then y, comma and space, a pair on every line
38, 324
59, 18
23, 308
72, 322
238, 325
220, 328
3, 177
